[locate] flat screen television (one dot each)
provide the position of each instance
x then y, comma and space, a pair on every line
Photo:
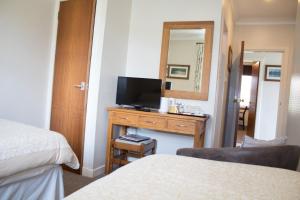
141, 93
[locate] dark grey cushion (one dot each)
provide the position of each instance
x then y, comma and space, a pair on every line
285, 157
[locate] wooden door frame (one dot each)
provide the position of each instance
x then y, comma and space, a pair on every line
88, 81
52, 71
284, 89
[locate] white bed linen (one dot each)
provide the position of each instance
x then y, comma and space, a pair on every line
25, 175
43, 183
177, 177
24, 147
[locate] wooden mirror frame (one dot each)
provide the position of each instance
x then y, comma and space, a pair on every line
208, 26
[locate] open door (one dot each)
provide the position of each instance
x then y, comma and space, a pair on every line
233, 99
253, 99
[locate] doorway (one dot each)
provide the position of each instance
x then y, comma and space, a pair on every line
259, 104
71, 71
248, 104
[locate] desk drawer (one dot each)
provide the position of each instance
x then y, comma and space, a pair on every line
152, 122
181, 126
124, 118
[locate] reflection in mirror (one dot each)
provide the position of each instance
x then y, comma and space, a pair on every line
185, 59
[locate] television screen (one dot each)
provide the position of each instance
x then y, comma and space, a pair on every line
139, 92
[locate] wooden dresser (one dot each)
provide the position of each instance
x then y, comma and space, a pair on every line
169, 123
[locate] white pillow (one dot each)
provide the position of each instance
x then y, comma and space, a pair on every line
251, 142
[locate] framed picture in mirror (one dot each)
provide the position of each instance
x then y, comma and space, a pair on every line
178, 71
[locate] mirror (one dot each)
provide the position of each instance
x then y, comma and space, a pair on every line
186, 59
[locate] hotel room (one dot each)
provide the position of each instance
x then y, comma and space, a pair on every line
145, 99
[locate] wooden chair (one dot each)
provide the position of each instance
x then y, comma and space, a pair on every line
242, 116
286, 156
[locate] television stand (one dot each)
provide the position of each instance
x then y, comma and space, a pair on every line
165, 123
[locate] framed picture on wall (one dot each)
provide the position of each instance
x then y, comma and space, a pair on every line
178, 71
273, 73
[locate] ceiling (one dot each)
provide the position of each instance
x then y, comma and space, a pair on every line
265, 11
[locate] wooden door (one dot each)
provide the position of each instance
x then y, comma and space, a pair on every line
253, 99
233, 99
72, 61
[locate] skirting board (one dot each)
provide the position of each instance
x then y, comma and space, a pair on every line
93, 172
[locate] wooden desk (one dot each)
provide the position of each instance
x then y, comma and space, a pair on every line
176, 124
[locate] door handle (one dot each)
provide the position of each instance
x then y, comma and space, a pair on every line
238, 100
82, 86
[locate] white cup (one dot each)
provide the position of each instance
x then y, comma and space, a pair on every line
164, 105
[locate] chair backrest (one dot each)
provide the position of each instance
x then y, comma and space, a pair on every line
286, 156
245, 110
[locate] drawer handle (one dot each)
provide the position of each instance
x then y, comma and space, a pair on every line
150, 122
181, 125
125, 118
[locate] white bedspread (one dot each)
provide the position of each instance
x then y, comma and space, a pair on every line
24, 147
44, 183
175, 177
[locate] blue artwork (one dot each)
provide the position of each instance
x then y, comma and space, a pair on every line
273, 73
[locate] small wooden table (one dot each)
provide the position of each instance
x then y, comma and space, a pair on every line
169, 123
135, 150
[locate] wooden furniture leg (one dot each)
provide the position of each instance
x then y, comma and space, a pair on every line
199, 136
109, 148
108, 163
123, 131
110, 166
202, 134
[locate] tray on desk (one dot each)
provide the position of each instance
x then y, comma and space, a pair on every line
191, 114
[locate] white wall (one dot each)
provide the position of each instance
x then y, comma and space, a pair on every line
273, 37
293, 128
25, 38
108, 62
144, 49
268, 95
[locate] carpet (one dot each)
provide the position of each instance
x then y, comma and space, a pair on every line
73, 182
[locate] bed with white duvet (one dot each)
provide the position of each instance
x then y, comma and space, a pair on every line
170, 177
30, 160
